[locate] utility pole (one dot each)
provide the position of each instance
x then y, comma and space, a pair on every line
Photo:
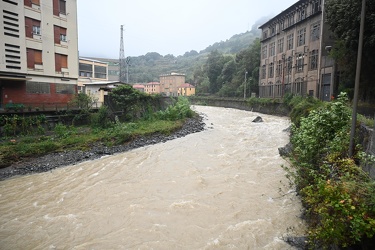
357, 78
244, 89
122, 62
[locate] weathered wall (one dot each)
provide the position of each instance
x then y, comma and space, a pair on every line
271, 108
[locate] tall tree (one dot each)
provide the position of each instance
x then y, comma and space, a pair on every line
343, 16
214, 65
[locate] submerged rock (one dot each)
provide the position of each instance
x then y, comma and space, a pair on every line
258, 119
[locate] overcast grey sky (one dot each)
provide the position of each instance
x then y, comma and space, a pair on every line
165, 26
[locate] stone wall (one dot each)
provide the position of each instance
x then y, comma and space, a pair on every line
274, 108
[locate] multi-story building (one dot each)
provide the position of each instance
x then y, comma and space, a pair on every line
152, 88
169, 83
294, 53
91, 71
113, 67
186, 89
38, 51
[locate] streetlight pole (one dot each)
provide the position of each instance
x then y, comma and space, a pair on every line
244, 89
357, 78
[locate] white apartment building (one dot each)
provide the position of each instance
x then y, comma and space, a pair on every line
38, 51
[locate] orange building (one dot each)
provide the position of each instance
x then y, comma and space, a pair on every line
186, 89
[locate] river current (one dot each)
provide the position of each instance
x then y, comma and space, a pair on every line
222, 188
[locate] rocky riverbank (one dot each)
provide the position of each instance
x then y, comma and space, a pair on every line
60, 159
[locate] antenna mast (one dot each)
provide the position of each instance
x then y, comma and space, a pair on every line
122, 62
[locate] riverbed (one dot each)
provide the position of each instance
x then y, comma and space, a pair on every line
222, 188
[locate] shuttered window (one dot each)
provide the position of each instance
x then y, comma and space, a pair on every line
59, 6
61, 61
34, 57
29, 3
32, 26
59, 34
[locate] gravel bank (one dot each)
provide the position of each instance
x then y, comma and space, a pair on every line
60, 159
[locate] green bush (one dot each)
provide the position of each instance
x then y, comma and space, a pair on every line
180, 110
338, 195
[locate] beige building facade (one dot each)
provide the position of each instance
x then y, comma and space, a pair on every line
38, 51
152, 88
169, 83
186, 90
294, 53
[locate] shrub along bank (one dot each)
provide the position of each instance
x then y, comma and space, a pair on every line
338, 195
35, 141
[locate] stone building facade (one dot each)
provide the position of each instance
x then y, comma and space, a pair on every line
294, 53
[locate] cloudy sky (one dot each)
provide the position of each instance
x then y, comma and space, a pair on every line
165, 26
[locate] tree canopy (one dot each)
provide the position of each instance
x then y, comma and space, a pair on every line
343, 16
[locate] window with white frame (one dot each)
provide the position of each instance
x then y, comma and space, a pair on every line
36, 30
300, 62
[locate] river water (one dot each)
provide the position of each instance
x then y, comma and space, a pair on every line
222, 188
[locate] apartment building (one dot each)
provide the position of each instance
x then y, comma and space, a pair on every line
186, 89
38, 51
294, 53
170, 83
152, 88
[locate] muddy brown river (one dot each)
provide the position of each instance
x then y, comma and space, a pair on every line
222, 188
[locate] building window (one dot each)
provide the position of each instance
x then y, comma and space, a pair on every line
300, 62
32, 27
280, 45
281, 25
59, 34
290, 40
314, 56
315, 31
272, 49
265, 34
59, 7
279, 68
263, 73
85, 70
302, 14
289, 65
264, 52
316, 6
100, 72
38, 88
273, 30
33, 57
290, 19
61, 61
301, 37
270, 70
65, 89
29, 3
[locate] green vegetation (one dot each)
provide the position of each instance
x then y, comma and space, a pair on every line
338, 195
34, 141
343, 19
